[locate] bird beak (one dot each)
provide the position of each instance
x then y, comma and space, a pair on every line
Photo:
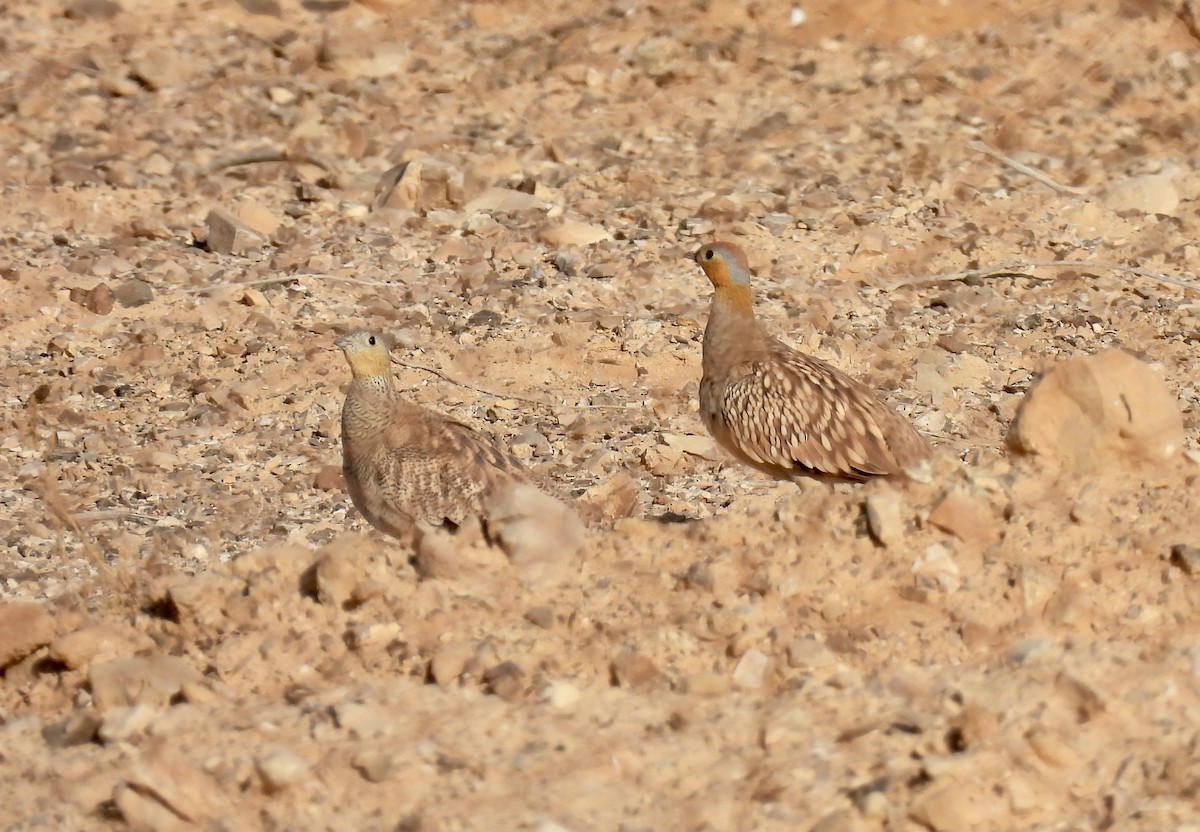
342, 342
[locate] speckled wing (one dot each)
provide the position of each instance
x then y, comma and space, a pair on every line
793, 411
441, 470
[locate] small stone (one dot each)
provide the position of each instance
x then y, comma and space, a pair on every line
885, 517
255, 299
751, 670
937, 564
92, 10
125, 722
1186, 558
449, 661
24, 627
506, 680
572, 233
485, 318
701, 446
200, 600
133, 292
258, 218
338, 572
281, 769
561, 694
636, 672
601, 271
281, 96
77, 729
541, 617
809, 653
376, 766
966, 518
98, 299
497, 200
225, 234
364, 721
957, 806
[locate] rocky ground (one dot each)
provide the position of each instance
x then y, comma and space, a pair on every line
946, 200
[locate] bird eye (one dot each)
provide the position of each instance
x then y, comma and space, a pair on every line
371, 340
708, 254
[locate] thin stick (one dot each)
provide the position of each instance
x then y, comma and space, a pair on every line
266, 154
1028, 171
271, 281
100, 515
1019, 269
458, 383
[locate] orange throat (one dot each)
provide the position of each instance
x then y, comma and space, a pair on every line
733, 298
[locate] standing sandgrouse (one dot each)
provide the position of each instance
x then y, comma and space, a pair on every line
784, 412
406, 465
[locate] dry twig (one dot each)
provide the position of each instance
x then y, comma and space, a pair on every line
1021, 269
1028, 171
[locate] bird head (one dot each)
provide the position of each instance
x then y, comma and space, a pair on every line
724, 263
367, 355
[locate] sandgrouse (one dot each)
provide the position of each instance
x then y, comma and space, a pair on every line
784, 412
408, 467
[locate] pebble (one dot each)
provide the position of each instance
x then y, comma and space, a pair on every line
123, 723
966, 518
885, 517
24, 627
98, 299
449, 662
1186, 558
337, 573
809, 653
281, 769
937, 564
636, 672
572, 233
561, 694
133, 292
376, 766
750, 673
225, 234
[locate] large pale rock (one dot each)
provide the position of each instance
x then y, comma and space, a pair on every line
163, 791
142, 680
536, 531
95, 643
1088, 411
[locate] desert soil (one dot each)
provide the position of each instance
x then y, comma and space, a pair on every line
199, 197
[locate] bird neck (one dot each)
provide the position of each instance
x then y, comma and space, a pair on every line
374, 384
733, 333
735, 298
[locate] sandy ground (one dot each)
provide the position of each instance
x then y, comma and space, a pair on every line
199, 197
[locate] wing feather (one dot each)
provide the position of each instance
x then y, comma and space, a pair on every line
791, 411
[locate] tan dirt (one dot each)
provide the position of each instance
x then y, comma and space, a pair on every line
199, 197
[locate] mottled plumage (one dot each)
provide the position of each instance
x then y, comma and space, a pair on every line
780, 410
405, 464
